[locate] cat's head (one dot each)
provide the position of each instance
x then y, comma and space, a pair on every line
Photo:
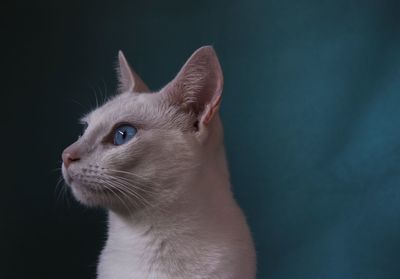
139, 147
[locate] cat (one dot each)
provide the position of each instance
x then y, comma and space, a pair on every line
156, 161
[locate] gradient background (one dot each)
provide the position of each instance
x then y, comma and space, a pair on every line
311, 112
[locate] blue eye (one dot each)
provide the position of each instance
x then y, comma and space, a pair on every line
123, 134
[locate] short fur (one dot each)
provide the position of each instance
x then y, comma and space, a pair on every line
171, 210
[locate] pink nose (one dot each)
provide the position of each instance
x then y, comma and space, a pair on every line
68, 158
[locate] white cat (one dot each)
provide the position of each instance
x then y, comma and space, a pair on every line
156, 161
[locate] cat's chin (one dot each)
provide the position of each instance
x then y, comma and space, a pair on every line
88, 198
85, 194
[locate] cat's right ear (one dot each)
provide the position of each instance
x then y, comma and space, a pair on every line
129, 81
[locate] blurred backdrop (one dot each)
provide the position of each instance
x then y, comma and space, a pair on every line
311, 112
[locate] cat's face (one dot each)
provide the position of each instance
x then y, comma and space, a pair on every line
139, 148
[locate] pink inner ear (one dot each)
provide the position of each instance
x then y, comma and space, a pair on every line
198, 86
211, 111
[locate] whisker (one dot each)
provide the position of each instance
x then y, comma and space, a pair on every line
65, 194
61, 191
57, 188
76, 102
110, 187
141, 178
140, 188
109, 183
144, 187
56, 169
96, 99
94, 93
133, 193
105, 91
154, 206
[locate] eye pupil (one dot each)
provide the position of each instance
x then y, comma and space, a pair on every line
123, 134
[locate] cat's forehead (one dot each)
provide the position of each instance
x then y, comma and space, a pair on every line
146, 109
121, 106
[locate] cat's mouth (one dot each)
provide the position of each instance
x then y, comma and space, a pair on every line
74, 180
93, 188
82, 183
84, 189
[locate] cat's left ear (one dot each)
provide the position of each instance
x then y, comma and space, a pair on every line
129, 81
198, 86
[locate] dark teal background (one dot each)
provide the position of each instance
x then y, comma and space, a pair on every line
311, 111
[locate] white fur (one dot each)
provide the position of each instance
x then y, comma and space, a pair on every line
171, 210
